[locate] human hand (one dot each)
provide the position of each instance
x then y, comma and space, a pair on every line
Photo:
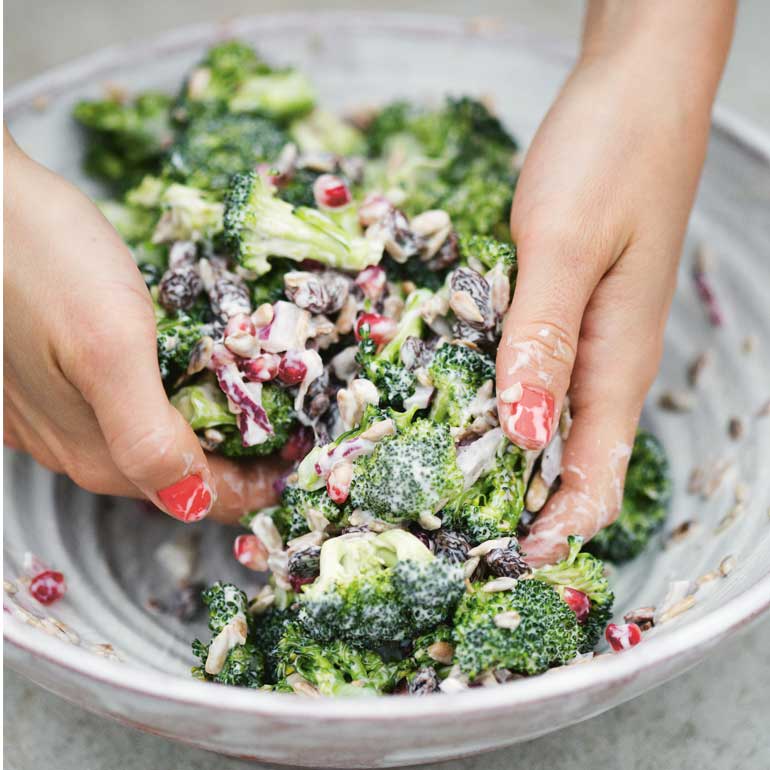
599, 218
83, 393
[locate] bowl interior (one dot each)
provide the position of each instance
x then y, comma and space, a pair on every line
108, 548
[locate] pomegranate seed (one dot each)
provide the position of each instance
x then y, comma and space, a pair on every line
262, 368
623, 636
292, 369
297, 582
578, 602
371, 281
330, 192
298, 445
381, 328
48, 587
250, 551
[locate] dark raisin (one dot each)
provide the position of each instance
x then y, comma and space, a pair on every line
229, 296
506, 562
525, 523
422, 535
424, 682
401, 243
179, 288
304, 565
185, 603
451, 546
447, 255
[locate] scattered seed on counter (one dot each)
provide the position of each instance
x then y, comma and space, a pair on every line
707, 577
702, 277
727, 565
741, 492
749, 343
764, 410
676, 401
681, 531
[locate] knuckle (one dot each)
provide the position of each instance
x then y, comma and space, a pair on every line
143, 451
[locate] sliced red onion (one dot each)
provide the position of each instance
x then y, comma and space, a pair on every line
245, 396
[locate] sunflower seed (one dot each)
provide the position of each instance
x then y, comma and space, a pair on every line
499, 584
644, 617
429, 521
727, 565
441, 652
508, 620
482, 549
676, 609
676, 400
699, 365
681, 531
537, 493
301, 686
735, 428
470, 566
729, 518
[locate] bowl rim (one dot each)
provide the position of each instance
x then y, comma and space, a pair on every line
569, 680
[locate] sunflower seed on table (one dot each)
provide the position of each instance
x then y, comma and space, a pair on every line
676, 609
681, 531
698, 366
741, 493
727, 565
729, 518
676, 400
749, 343
736, 428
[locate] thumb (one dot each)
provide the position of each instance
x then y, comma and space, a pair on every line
149, 441
538, 346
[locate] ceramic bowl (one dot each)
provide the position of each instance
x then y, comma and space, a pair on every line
114, 655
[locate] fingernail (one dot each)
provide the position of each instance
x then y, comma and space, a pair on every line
188, 500
528, 421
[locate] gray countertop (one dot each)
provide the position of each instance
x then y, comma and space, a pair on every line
711, 718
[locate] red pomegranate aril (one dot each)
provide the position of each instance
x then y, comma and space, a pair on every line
578, 602
292, 369
298, 444
372, 281
331, 192
337, 492
623, 636
250, 551
262, 368
48, 587
381, 328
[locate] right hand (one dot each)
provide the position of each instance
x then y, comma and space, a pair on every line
83, 393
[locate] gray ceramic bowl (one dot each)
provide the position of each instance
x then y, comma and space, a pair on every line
107, 548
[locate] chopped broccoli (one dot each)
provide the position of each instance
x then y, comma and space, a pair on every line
189, 214
458, 372
244, 666
221, 72
224, 602
410, 473
645, 503
547, 633
378, 589
585, 573
489, 251
492, 506
127, 139
458, 158
281, 94
335, 668
323, 131
298, 188
204, 405
394, 382
176, 335
267, 631
258, 226
212, 148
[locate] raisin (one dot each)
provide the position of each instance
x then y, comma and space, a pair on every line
179, 288
424, 682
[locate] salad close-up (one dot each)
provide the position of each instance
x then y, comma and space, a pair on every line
329, 290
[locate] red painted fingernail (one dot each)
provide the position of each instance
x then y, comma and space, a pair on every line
529, 421
188, 500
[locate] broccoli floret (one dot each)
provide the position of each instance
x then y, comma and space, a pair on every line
280, 94
335, 668
189, 214
458, 158
492, 506
645, 503
547, 633
204, 405
267, 630
489, 251
323, 131
224, 602
176, 336
258, 225
244, 666
585, 573
410, 473
298, 189
458, 372
378, 589
221, 72
213, 148
127, 139
394, 382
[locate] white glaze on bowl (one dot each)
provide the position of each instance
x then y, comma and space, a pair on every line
106, 548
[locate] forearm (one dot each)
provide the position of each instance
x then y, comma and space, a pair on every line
679, 46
